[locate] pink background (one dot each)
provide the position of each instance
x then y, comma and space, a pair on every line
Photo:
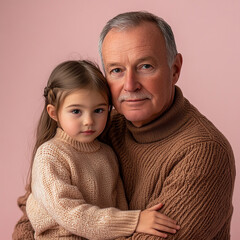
37, 35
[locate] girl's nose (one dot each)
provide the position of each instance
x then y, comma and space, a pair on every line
88, 120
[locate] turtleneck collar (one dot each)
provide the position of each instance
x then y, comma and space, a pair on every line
79, 146
164, 125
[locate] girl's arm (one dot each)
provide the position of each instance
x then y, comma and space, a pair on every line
153, 222
150, 221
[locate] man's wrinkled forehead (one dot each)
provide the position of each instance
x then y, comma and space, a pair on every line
119, 40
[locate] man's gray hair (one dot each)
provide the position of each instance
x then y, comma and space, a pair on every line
131, 19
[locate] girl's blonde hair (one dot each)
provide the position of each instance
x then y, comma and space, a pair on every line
64, 79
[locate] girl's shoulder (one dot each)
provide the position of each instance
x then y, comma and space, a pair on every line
108, 151
53, 151
52, 145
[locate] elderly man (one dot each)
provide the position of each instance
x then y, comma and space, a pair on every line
168, 151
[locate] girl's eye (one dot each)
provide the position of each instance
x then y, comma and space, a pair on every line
76, 111
99, 110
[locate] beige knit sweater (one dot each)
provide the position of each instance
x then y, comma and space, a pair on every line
75, 187
182, 160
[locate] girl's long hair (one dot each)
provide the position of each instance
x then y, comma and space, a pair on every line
67, 77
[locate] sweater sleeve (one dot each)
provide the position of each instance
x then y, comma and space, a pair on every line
121, 197
51, 186
23, 230
198, 193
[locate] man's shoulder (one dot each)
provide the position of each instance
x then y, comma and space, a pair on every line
117, 120
199, 139
199, 128
116, 115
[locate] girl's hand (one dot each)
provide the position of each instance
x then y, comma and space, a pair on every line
153, 222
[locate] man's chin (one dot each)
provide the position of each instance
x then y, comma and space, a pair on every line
136, 118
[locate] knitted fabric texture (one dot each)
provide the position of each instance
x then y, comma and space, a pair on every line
75, 187
183, 161
23, 229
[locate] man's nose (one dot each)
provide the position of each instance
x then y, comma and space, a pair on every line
131, 83
88, 120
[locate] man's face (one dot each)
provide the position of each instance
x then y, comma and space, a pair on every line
137, 71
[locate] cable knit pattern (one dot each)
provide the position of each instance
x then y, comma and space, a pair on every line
182, 160
75, 187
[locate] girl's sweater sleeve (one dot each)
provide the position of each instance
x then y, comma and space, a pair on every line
51, 186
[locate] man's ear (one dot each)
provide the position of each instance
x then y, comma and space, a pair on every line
52, 112
176, 68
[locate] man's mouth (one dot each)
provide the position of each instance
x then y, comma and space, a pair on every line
130, 97
134, 100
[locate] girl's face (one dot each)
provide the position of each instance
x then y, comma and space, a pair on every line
83, 114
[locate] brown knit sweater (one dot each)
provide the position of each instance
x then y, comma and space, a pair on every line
180, 159
75, 187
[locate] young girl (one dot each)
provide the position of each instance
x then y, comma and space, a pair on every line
75, 181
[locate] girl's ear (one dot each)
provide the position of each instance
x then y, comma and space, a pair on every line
52, 112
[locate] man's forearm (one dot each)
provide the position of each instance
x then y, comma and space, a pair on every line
23, 229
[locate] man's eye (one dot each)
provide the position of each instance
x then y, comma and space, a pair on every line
99, 110
146, 66
115, 70
76, 111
